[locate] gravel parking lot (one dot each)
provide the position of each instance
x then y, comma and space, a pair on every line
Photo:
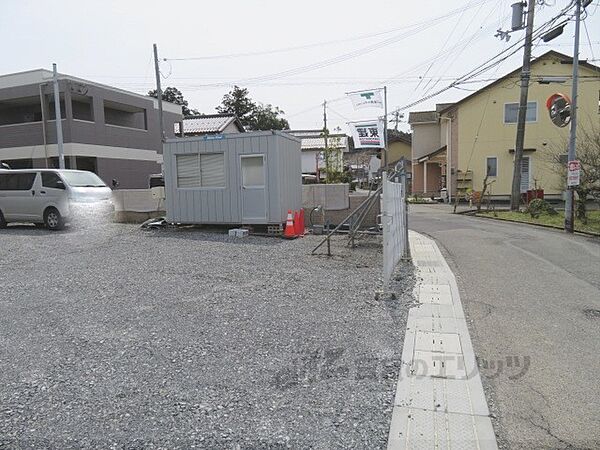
115, 337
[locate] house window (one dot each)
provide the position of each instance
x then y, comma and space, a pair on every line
491, 164
205, 170
511, 112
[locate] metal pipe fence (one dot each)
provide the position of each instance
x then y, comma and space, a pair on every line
395, 223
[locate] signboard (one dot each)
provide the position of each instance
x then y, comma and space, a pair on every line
574, 169
367, 134
366, 99
559, 108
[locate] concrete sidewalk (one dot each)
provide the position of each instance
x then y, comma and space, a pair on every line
532, 301
439, 401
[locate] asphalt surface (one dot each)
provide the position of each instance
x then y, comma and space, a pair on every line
532, 298
114, 337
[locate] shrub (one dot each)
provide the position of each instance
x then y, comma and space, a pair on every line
538, 207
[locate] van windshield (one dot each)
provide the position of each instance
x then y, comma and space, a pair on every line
82, 179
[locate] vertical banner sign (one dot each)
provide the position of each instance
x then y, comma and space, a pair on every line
574, 169
367, 134
366, 99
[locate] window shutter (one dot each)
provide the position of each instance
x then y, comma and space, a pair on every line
212, 169
188, 171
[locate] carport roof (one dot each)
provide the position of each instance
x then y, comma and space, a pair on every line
432, 155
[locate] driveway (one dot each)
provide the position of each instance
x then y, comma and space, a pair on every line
114, 337
532, 297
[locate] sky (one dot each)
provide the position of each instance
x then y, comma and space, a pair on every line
294, 55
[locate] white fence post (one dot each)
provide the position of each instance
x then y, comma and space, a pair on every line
394, 221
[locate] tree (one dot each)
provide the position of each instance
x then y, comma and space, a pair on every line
252, 115
174, 95
588, 154
237, 102
266, 117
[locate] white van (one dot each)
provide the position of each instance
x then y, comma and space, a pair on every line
47, 196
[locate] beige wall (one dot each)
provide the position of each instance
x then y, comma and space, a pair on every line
425, 139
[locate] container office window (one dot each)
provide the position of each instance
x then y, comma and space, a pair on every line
511, 112
121, 115
491, 164
20, 110
83, 107
253, 171
212, 170
201, 170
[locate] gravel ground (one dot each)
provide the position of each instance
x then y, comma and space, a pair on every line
115, 337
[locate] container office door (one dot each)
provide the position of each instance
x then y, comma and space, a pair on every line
254, 189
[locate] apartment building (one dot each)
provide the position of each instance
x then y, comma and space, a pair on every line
109, 131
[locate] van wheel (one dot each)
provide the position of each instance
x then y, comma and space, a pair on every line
2, 220
53, 220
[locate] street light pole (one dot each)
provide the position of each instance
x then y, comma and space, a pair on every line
570, 200
58, 117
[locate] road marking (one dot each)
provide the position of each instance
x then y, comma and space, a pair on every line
439, 400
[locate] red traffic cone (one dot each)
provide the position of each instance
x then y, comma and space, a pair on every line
302, 228
297, 224
290, 232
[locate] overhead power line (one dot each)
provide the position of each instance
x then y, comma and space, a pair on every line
346, 56
492, 62
409, 27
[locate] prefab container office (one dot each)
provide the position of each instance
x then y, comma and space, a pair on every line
245, 178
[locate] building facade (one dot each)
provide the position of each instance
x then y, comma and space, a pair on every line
106, 130
313, 151
476, 136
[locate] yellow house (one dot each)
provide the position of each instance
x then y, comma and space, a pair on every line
399, 146
480, 130
483, 127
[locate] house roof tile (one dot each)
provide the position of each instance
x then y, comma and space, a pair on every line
313, 140
207, 124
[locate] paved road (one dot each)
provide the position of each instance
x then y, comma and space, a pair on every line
532, 296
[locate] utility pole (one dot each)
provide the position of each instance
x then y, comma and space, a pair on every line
325, 135
396, 119
159, 95
570, 200
515, 197
58, 121
385, 127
